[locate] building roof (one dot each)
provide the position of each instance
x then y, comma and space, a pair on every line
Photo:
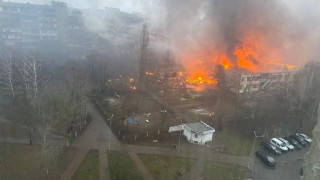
199, 128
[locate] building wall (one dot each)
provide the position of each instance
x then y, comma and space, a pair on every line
200, 139
251, 83
47, 27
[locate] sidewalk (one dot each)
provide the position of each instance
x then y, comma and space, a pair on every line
75, 163
140, 166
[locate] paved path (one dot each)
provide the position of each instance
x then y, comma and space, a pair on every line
141, 166
94, 137
103, 163
75, 163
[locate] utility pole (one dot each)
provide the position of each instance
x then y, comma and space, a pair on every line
179, 140
251, 162
110, 132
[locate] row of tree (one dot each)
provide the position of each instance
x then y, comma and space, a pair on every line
45, 106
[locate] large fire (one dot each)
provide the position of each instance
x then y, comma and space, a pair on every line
253, 54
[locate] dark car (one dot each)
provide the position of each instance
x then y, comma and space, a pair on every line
299, 139
268, 160
271, 148
293, 142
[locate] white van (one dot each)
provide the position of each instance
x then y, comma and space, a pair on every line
279, 144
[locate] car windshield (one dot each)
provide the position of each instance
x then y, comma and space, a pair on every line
305, 136
283, 144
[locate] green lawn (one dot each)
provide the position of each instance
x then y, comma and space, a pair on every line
166, 167
62, 163
89, 168
224, 171
122, 167
19, 161
234, 142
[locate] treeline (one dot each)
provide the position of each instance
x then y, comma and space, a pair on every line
47, 103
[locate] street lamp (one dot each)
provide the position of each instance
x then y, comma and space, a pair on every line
110, 131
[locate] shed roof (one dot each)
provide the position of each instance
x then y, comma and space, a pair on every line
200, 127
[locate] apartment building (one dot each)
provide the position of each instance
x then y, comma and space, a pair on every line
261, 82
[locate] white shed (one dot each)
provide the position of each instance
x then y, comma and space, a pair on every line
198, 133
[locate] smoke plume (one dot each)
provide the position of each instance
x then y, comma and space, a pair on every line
256, 35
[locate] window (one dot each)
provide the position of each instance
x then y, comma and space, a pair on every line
196, 135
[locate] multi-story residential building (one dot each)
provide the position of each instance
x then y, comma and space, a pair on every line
52, 27
261, 82
60, 29
26, 25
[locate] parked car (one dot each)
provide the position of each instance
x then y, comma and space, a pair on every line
268, 160
270, 147
279, 144
305, 137
299, 139
293, 142
289, 146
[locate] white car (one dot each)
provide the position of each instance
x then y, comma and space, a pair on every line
289, 146
279, 144
305, 137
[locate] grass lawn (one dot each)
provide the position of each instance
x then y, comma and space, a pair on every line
234, 142
19, 161
166, 167
89, 168
62, 163
122, 167
23, 162
224, 171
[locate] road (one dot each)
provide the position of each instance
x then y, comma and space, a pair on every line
288, 166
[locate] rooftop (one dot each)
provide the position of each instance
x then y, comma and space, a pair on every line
199, 127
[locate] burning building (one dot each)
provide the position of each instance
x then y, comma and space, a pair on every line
254, 36
262, 82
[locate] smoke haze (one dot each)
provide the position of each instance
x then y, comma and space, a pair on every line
257, 35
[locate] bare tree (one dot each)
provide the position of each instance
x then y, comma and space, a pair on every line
304, 95
7, 76
56, 110
32, 77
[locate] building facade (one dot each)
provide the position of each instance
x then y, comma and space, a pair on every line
52, 28
198, 133
261, 82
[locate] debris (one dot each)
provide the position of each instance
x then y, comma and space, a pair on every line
148, 114
147, 121
176, 128
181, 171
133, 121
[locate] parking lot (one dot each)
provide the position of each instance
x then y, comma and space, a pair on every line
287, 168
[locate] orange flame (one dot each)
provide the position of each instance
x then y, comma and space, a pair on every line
253, 54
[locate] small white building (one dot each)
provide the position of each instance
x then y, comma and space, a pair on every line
198, 133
